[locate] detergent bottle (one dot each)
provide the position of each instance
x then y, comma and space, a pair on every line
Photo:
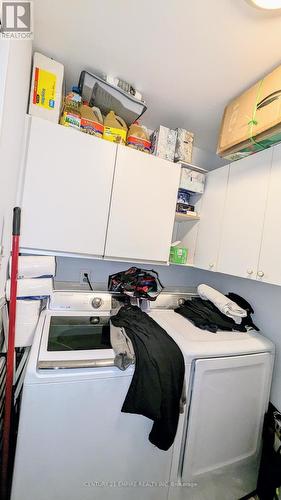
115, 128
138, 138
91, 120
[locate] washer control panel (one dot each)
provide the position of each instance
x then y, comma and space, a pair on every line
80, 301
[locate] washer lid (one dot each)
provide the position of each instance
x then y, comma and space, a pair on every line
196, 343
76, 340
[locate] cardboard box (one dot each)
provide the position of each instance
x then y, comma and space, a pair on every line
260, 142
252, 121
163, 143
46, 88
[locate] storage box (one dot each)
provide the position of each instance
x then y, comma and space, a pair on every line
163, 143
31, 287
178, 255
35, 266
259, 143
184, 145
27, 317
97, 92
192, 181
252, 121
46, 88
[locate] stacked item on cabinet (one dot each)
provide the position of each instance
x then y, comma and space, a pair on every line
252, 121
105, 107
46, 90
172, 145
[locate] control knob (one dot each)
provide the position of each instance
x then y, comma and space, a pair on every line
96, 302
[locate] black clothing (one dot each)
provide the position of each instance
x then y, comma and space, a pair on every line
157, 383
241, 302
205, 315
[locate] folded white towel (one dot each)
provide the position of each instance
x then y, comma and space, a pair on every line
223, 303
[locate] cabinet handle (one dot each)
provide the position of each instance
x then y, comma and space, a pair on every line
260, 274
250, 271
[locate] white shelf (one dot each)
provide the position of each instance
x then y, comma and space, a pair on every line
182, 265
179, 217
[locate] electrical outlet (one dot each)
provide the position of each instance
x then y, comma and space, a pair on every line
83, 280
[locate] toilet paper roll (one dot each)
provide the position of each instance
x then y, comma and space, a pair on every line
31, 266
36, 287
27, 318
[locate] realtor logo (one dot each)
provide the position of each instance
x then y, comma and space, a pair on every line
16, 19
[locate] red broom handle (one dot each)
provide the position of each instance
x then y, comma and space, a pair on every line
10, 356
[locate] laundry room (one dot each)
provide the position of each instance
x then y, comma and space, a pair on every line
140, 272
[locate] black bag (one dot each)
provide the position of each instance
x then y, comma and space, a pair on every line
136, 282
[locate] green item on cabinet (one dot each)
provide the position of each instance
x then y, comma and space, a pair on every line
178, 255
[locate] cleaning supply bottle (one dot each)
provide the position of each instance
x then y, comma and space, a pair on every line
91, 120
115, 128
138, 138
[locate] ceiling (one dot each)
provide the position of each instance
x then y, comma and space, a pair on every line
187, 57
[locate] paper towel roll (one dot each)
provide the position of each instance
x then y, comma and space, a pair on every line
31, 266
36, 287
27, 317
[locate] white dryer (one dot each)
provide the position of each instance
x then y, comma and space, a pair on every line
228, 376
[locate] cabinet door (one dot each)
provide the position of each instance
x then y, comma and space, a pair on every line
67, 190
211, 216
244, 215
228, 402
269, 268
142, 208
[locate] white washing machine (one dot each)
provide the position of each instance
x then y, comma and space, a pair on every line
74, 442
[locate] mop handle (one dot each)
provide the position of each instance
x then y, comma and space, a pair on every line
10, 356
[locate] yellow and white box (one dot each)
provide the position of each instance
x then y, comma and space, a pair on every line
46, 88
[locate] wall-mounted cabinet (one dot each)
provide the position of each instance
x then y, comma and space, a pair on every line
211, 216
269, 267
244, 215
143, 207
240, 219
67, 189
86, 196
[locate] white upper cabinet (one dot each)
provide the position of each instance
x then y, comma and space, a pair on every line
211, 215
142, 208
244, 215
67, 189
269, 268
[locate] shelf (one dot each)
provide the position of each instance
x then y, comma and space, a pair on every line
186, 217
182, 265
